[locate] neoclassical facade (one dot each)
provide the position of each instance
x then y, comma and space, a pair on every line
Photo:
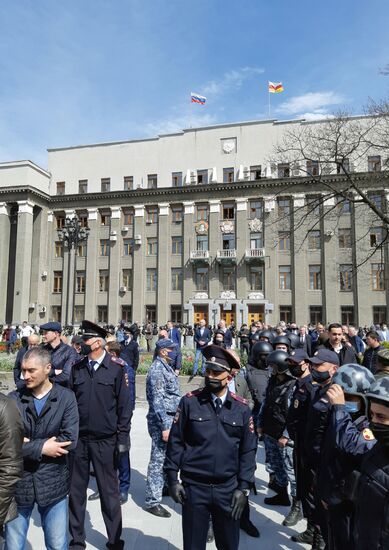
184, 226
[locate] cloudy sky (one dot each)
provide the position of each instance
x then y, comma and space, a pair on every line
87, 71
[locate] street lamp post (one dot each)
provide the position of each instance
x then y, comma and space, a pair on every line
71, 235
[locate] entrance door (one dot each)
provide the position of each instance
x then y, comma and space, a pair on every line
256, 312
228, 315
200, 312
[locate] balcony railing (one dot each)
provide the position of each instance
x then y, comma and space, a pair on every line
229, 254
255, 253
202, 255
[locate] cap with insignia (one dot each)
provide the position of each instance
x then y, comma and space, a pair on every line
298, 356
91, 330
219, 359
164, 343
325, 356
54, 326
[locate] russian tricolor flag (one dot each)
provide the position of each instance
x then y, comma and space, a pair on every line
196, 98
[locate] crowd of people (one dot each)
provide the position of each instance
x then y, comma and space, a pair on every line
316, 397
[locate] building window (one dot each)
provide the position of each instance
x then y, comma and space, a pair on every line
56, 312
58, 251
344, 237
176, 214
202, 177
283, 240
312, 167
105, 218
228, 211
201, 279
201, 212
313, 205
315, 315
376, 199
286, 314
344, 205
82, 187
374, 163
60, 222
379, 315
377, 277
104, 247
283, 208
314, 240
177, 179
127, 247
103, 280
283, 170
128, 183
127, 278
80, 282
347, 315
152, 181
79, 314
342, 166
202, 242
314, 277
284, 277
105, 185
151, 279
255, 209
57, 282
255, 241
228, 278
176, 278
102, 314
228, 175
127, 314
83, 220
256, 278
60, 187
152, 246
376, 236
81, 250
255, 173
228, 242
128, 217
176, 314
176, 245
346, 277
152, 214
151, 314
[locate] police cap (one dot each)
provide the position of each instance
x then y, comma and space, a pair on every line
54, 326
219, 359
325, 356
91, 330
164, 343
298, 356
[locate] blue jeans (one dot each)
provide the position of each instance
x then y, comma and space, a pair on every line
199, 356
54, 520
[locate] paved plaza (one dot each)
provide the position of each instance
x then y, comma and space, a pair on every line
142, 531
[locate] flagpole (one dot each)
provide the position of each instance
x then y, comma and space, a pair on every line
268, 93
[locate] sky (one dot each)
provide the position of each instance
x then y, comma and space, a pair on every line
90, 71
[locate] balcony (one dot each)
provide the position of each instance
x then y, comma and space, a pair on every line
226, 256
199, 256
254, 254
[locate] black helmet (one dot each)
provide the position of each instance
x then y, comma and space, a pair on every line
354, 379
294, 340
280, 359
266, 334
380, 391
260, 349
254, 336
282, 339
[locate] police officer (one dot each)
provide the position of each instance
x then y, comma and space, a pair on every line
163, 396
103, 398
371, 518
129, 347
257, 375
63, 357
212, 444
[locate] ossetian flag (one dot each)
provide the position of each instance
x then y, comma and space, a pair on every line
196, 98
275, 87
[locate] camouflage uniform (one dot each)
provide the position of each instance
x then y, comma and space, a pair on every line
279, 460
163, 396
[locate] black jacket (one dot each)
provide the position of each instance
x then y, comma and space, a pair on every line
346, 354
275, 408
63, 357
19, 382
257, 381
130, 353
370, 358
45, 479
11, 460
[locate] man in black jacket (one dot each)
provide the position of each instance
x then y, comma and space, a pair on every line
129, 347
370, 356
63, 357
335, 343
32, 342
50, 418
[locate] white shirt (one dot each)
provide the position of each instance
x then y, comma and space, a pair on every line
97, 361
26, 331
222, 397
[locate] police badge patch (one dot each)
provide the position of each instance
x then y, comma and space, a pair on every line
368, 434
296, 403
251, 425
176, 416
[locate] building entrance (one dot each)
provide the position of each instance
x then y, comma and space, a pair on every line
228, 315
256, 312
200, 312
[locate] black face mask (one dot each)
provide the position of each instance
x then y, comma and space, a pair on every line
381, 433
320, 377
296, 370
85, 349
213, 384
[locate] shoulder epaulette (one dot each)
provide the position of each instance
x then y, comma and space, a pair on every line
193, 393
118, 360
239, 398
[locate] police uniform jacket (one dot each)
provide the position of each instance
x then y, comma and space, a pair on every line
163, 394
297, 413
210, 448
130, 353
257, 381
103, 398
63, 357
316, 424
372, 507
344, 446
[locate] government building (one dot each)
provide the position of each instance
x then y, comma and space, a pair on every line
196, 224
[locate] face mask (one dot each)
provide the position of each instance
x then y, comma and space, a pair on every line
320, 377
85, 349
214, 385
296, 370
381, 433
218, 342
170, 356
352, 407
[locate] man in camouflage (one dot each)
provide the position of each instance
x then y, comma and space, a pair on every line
163, 396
